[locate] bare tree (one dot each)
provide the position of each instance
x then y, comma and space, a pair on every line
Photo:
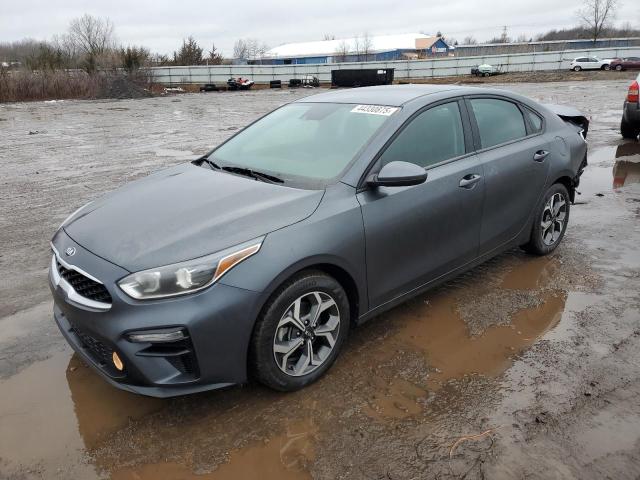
596, 15
328, 36
470, 40
342, 51
249, 48
366, 45
93, 37
240, 49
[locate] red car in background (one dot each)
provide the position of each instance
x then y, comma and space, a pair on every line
627, 63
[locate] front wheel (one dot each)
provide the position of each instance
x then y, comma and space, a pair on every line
606, 67
550, 221
300, 332
577, 68
619, 68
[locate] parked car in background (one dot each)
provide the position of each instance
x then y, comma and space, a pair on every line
630, 124
627, 63
239, 83
485, 70
250, 262
209, 87
589, 63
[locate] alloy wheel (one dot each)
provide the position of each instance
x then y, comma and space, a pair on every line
306, 334
553, 219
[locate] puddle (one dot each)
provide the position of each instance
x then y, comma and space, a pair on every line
534, 273
285, 457
55, 409
611, 167
101, 409
438, 332
443, 336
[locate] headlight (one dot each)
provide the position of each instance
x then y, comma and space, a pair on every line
186, 277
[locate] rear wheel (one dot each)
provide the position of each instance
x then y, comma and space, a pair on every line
300, 332
629, 130
619, 68
550, 221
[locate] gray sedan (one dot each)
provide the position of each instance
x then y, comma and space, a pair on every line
257, 259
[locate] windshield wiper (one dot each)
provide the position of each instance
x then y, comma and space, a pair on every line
212, 165
247, 172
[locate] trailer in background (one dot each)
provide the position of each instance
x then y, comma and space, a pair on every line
361, 77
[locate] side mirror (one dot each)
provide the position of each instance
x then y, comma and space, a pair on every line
398, 174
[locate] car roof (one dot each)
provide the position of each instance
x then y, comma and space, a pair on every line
392, 95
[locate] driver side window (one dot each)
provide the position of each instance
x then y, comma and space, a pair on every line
433, 136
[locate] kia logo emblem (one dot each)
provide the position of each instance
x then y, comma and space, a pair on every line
70, 251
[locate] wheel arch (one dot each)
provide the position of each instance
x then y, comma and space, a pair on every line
332, 266
568, 182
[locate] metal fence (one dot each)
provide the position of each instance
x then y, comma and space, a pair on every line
404, 69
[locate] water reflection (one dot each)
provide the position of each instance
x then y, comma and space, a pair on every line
626, 170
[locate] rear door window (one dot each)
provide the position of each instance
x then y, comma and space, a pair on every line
432, 137
498, 121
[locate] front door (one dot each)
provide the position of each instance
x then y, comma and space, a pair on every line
416, 234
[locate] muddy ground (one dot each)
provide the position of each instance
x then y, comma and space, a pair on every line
523, 368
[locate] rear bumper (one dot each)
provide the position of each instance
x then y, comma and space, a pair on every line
218, 322
631, 113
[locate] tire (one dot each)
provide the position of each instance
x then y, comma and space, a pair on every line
606, 67
577, 68
629, 130
485, 74
545, 240
277, 331
618, 68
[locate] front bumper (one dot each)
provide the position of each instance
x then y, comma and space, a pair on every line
218, 322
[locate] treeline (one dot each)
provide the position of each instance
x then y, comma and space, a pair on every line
580, 33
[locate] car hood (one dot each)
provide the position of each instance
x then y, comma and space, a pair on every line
185, 212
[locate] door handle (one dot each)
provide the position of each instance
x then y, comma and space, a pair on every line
540, 155
468, 181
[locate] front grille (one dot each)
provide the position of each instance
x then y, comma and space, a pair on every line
100, 352
83, 285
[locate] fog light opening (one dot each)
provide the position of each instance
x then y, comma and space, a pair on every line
117, 362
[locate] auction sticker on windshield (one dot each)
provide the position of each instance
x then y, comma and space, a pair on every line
375, 109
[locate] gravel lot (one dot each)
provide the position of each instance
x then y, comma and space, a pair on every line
523, 368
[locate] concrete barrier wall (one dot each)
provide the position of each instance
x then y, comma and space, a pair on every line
404, 69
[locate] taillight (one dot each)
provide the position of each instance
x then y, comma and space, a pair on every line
632, 95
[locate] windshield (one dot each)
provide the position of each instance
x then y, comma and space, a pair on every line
308, 142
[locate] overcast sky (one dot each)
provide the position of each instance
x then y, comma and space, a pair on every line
161, 25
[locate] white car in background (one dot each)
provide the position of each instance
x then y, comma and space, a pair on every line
590, 63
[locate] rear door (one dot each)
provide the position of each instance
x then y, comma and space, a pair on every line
513, 151
594, 63
418, 233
